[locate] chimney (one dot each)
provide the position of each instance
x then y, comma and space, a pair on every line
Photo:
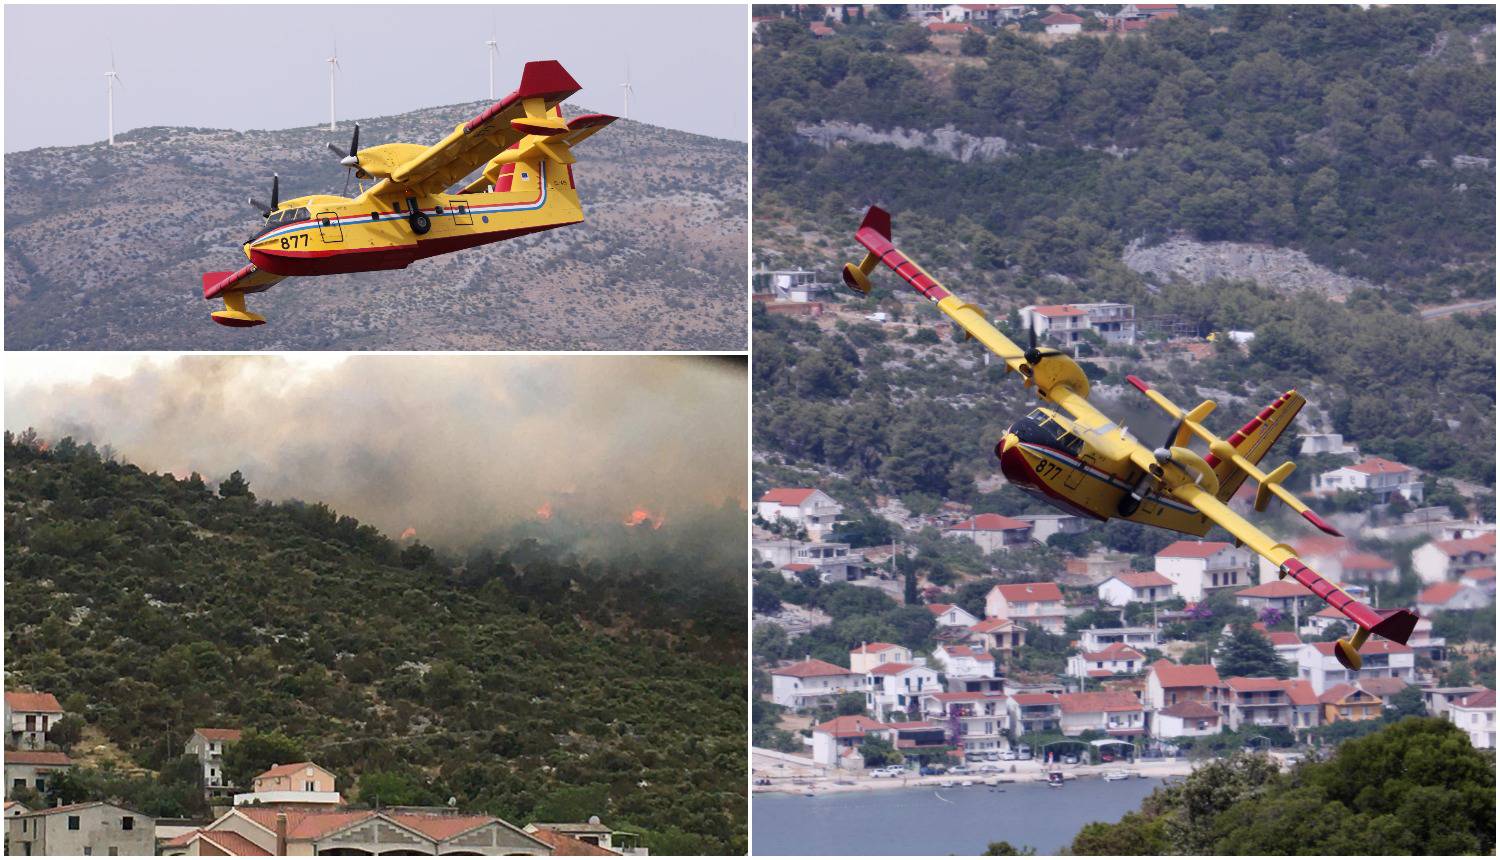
281, 834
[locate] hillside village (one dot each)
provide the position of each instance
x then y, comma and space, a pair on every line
291, 808
1205, 651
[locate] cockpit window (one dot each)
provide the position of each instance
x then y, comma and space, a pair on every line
278, 219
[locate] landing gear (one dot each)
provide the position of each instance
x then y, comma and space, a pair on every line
1347, 652
420, 223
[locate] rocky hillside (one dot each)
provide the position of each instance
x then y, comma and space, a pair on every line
105, 247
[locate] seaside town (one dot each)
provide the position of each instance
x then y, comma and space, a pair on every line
291, 808
1111, 668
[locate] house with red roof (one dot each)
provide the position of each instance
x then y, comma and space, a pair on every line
991, 532
1283, 595
1290, 703
207, 745
1377, 477
1062, 324
1196, 567
951, 615
1115, 659
282, 830
1321, 552
28, 717
1382, 658
1184, 720
809, 683
1475, 714
300, 782
596, 837
79, 829
893, 687
805, 507
871, 654
836, 743
998, 634
993, 14
1369, 568
962, 662
1036, 603
33, 769
1031, 713
1168, 683
1062, 24
1286, 642
1441, 560
1482, 578
1118, 714
1451, 597
1135, 587
977, 721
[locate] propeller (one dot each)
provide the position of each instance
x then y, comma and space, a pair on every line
349, 159
265, 211
1034, 354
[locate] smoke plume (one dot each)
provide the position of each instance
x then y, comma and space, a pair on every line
448, 447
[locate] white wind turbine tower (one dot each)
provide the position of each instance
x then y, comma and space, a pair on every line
333, 68
627, 88
111, 78
494, 51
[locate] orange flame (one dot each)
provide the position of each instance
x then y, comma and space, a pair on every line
545, 511
409, 533
641, 515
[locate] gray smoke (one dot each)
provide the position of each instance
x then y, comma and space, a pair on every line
451, 446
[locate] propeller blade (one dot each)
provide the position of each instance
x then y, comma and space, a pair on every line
336, 151
354, 144
275, 190
1033, 355
260, 207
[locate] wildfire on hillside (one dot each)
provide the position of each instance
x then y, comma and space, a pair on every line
545, 511
409, 533
641, 516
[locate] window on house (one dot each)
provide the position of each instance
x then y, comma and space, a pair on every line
113, 851
73, 822
127, 823
309, 785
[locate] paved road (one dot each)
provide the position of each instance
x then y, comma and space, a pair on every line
1448, 310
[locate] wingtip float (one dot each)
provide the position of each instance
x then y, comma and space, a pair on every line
522, 142
1076, 459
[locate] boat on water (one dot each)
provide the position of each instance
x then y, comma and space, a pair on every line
1116, 775
1055, 779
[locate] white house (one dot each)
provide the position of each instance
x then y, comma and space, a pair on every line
1117, 714
813, 510
1185, 719
1482, 578
1378, 477
833, 562
1099, 638
982, 13
1325, 443
1451, 596
1382, 658
998, 634
1116, 659
1369, 568
1168, 683
1034, 712
1278, 594
1044, 526
871, 654
1061, 324
1476, 716
961, 661
951, 615
899, 687
1442, 560
1289, 703
81, 829
793, 285
28, 718
33, 769
836, 743
977, 722
1038, 603
208, 745
1142, 587
991, 532
810, 683
1196, 567
1062, 24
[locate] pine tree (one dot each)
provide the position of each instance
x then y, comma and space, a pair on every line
1248, 653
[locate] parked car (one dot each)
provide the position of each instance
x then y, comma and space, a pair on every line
894, 770
1106, 756
961, 770
933, 770
1024, 754
1070, 759
1009, 755
992, 756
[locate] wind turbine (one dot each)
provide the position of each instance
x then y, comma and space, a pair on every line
628, 89
333, 68
111, 78
494, 50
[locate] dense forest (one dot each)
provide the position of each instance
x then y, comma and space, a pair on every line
523, 680
1333, 129
1414, 787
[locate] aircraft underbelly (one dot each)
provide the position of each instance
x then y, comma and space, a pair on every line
1084, 489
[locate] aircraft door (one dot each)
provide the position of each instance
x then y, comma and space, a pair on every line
461, 216
328, 225
1075, 476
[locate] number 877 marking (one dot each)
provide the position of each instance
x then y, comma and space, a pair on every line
295, 240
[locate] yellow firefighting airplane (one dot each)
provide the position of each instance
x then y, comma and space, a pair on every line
527, 186
1087, 465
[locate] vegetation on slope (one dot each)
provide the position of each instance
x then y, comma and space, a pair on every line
524, 681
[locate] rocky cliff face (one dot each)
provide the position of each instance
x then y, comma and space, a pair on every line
105, 247
947, 141
1284, 270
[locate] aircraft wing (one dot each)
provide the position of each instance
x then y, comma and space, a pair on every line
1395, 625
232, 288
544, 85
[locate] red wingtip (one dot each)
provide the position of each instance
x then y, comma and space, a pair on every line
1138, 383
545, 79
211, 280
1321, 524
589, 120
877, 219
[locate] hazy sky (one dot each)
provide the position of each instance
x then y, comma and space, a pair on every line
263, 67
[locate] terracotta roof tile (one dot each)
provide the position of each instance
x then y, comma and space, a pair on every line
44, 703
793, 496
1092, 703
811, 669
1143, 579
1170, 675
1030, 592
1192, 549
566, 846
220, 734
1276, 588
42, 757
989, 523
853, 726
